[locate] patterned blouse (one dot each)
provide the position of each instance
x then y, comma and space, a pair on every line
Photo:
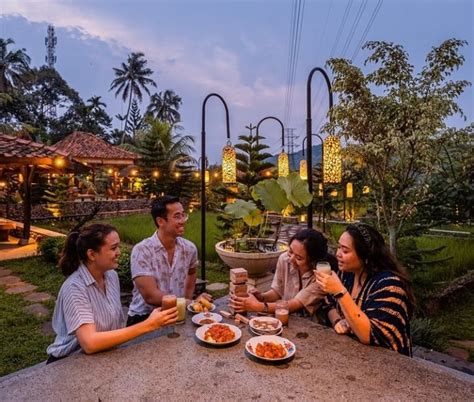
384, 300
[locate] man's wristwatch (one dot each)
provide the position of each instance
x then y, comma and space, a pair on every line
340, 294
265, 307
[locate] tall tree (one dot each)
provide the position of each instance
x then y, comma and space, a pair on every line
397, 119
164, 106
135, 119
12, 64
131, 79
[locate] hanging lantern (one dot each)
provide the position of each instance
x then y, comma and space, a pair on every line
229, 169
283, 164
303, 169
207, 176
59, 162
332, 160
333, 193
320, 189
349, 193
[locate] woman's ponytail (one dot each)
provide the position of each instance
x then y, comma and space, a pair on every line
69, 260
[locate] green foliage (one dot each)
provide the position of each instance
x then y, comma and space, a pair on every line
428, 333
246, 210
396, 119
164, 106
51, 247
123, 270
56, 195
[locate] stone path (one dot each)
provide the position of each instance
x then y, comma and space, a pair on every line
14, 285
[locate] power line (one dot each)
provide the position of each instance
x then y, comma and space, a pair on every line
354, 26
341, 28
367, 29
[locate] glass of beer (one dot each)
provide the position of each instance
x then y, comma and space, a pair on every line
282, 312
324, 267
167, 302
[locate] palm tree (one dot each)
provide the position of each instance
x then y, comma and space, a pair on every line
12, 64
164, 106
131, 79
95, 104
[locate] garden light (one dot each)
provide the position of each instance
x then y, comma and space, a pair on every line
332, 160
303, 169
229, 168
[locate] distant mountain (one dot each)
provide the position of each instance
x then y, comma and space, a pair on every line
297, 156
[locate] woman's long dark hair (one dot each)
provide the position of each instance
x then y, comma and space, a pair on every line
77, 244
316, 246
371, 249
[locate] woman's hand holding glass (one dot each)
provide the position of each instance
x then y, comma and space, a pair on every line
329, 283
159, 318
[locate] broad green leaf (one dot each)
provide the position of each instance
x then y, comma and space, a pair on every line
296, 189
273, 197
240, 209
255, 218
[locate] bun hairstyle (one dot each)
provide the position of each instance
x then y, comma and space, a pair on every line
315, 244
371, 249
91, 237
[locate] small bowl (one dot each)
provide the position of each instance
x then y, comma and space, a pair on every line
265, 325
206, 318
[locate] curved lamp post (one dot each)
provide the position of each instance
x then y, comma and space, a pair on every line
309, 138
310, 180
227, 153
283, 164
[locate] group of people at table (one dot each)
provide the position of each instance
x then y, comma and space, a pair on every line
367, 294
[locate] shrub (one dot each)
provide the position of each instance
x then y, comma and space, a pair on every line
51, 247
123, 270
428, 333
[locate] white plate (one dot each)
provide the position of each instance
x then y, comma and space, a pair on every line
202, 316
251, 346
256, 333
265, 325
190, 308
202, 330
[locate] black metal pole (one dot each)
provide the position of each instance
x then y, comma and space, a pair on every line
309, 129
203, 178
310, 184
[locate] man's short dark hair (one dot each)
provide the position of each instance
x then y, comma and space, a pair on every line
158, 206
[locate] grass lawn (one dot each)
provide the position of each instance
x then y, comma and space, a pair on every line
23, 344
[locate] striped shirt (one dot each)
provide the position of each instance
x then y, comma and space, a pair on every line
150, 258
288, 283
81, 301
384, 300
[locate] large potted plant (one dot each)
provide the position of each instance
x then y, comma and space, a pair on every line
254, 250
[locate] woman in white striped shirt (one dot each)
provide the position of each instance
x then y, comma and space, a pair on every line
88, 314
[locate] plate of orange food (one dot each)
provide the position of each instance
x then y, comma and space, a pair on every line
218, 334
270, 347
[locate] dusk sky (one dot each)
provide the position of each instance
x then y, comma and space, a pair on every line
239, 49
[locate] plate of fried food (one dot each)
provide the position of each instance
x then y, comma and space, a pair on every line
206, 318
270, 347
218, 334
201, 306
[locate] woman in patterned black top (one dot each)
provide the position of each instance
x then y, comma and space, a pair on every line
372, 296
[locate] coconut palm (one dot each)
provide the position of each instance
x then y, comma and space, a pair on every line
164, 106
131, 79
12, 64
95, 104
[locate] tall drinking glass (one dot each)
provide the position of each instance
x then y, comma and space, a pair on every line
167, 302
181, 304
323, 266
282, 311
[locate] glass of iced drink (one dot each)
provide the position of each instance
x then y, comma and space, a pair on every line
167, 302
181, 304
282, 312
324, 267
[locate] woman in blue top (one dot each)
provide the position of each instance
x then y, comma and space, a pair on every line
372, 296
88, 313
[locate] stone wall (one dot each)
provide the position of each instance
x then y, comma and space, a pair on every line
41, 212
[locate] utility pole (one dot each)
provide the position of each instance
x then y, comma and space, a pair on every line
50, 41
291, 137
